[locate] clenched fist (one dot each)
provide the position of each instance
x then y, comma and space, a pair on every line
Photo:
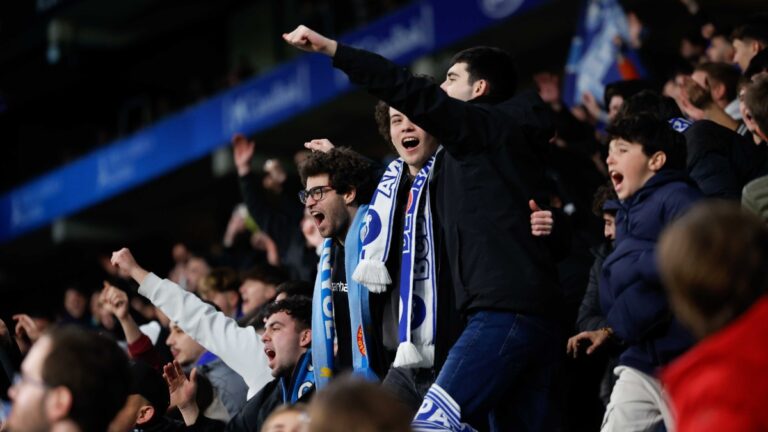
306, 39
123, 260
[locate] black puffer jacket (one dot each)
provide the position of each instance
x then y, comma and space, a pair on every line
490, 170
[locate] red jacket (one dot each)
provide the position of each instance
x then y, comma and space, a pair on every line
721, 384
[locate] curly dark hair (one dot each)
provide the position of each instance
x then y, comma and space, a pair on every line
381, 114
298, 307
346, 170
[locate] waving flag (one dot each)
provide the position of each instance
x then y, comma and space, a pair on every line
595, 58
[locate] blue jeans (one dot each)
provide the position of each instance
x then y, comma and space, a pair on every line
501, 370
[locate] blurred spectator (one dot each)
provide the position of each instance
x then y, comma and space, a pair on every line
180, 255
71, 380
276, 210
749, 38
75, 307
147, 402
194, 271
243, 237
755, 197
756, 104
258, 288
351, 404
758, 65
714, 263
591, 317
721, 79
293, 288
720, 49
230, 387
220, 287
287, 418
10, 360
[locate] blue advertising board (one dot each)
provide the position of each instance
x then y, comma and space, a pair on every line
256, 105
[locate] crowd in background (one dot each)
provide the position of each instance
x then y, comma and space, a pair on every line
639, 254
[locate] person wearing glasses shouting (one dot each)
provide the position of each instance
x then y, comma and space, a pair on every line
345, 316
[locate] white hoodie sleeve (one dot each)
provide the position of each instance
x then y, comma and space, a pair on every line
240, 348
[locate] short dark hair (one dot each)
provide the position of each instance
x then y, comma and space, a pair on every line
625, 89
298, 307
654, 135
295, 287
755, 28
148, 382
759, 63
492, 64
266, 273
346, 170
714, 264
94, 369
756, 100
724, 74
649, 101
350, 403
603, 194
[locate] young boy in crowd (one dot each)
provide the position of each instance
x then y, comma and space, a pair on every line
646, 162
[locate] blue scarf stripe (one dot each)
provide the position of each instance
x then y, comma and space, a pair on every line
323, 330
359, 309
303, 382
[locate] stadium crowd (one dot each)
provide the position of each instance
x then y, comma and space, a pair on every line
467, 284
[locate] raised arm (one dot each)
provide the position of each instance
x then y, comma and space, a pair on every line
240, 348
278, 216
459, 126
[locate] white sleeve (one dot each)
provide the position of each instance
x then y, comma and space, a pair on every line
240, 348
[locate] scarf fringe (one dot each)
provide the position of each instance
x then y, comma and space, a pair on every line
408, 356
427, 354
373, 274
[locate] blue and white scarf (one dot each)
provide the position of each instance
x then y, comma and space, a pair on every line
418, 283
323, 327
303, 382
439, 412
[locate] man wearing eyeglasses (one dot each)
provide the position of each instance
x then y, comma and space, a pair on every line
338, 183
71, 380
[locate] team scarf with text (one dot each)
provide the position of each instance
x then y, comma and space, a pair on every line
418, 283
323, 327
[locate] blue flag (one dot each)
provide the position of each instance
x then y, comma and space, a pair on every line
595, 59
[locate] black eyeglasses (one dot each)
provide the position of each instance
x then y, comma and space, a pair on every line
316, 193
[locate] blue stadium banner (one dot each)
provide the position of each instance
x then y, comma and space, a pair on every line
258, 104
595, 58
